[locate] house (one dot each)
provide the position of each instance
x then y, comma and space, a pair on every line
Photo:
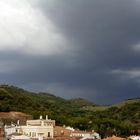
85, 134
38, 128
8, 130
61, 131
7, 117
134, 138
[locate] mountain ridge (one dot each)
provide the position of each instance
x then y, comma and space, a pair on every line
78, 99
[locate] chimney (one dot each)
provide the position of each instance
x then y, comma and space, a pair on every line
40, 117
18, 122
46, 117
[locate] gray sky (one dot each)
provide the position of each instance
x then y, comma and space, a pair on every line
72, 48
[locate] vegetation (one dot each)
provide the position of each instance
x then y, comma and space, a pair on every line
121, 119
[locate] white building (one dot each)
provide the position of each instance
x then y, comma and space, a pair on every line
134, 137
40, 128
8, 130
85, 135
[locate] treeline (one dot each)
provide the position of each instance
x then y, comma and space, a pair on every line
121, 121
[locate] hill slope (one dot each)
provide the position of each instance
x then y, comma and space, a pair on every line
107, 120
16, 99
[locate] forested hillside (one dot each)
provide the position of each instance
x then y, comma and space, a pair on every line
121, 119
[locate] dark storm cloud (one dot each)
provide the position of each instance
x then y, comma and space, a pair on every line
104, 33
102, 64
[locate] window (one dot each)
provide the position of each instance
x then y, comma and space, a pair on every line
49, 134
33, 134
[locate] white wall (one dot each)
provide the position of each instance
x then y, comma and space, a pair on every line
135, 138
36, 131
9, 130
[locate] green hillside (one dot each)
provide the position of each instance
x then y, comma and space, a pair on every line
118, 105
117, 119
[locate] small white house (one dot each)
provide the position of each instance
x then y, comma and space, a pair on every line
91, 136
84, 134
134, 137
95, 135
8, 130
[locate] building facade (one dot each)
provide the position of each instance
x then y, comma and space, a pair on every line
38, 128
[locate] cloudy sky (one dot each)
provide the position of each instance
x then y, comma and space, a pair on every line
72, 48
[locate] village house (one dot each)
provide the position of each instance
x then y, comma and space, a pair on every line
134, 138
85, 134
60, 131
40, 128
